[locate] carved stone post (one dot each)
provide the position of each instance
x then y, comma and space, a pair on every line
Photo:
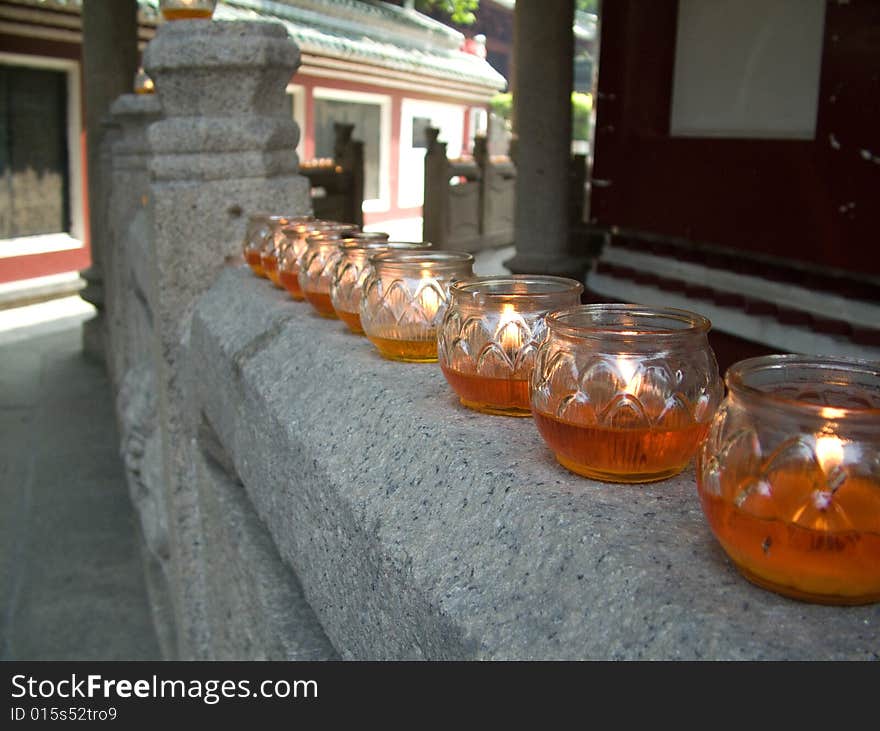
223, 149
497, 191
128, 251
128, 282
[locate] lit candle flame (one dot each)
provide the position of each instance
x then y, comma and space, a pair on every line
428, 298
829, 451
829, 412
508, 334
627, 368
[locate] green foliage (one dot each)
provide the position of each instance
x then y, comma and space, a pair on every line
502, 105
459, 11
587, 6
581, 108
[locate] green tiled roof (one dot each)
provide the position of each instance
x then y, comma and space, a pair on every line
373, 32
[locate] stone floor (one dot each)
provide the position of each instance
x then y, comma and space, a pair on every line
71, 581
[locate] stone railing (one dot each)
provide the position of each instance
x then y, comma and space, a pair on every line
468, 203
415, 528
302, 498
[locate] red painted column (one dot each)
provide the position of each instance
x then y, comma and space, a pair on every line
308, 131
394, 152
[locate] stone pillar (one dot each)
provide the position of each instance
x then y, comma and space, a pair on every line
109, 63
544, 59
224, 148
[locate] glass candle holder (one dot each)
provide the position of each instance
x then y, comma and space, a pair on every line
275, 241
352, 269
187, 9
143, 84
625, 393
789, 476
254, 235
405, 298
318, 263
295, 239
490, 336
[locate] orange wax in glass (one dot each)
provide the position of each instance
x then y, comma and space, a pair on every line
833, 562
352, 320
270, 267
620, 455
413, 351
321, 302
186, 13
624, 393
290, 282
503, 396
255, 262
255, 234
187, 9
789, 476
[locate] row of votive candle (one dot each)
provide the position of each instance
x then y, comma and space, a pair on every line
788, 466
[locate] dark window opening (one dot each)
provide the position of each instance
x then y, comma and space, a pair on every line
420, 132
34, 176
366, 119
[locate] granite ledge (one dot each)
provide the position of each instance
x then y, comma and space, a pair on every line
419, 529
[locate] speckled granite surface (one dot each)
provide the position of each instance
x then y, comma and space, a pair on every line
222, 149
419, 529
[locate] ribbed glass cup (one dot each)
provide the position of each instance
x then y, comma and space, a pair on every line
625, 393
405, 298
318, 262
275, 241
789, 476
295, 238
490, 336
255, 234
143, 84
352, 269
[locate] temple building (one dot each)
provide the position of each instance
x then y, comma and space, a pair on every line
389, 70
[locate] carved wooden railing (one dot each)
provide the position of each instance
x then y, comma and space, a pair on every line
338, 184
